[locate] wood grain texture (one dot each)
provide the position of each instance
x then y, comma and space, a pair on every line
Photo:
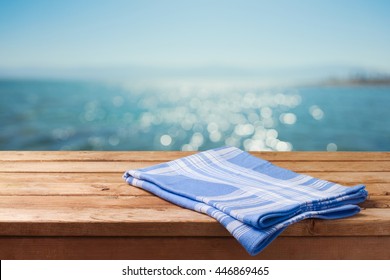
121, 166
192, 248
75, 205
107, 203
169, 222
34, 187
347, 178
153, 156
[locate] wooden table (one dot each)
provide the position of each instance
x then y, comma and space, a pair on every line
75, 205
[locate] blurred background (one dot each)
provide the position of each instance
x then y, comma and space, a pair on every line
192, 75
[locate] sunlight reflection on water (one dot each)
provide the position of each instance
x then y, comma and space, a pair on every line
191, 120
46, 115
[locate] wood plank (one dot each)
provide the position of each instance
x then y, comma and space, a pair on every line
113, 166
123, 216
379, 195
70, 188
191, 248
371, 222
376, 201
154, 156
40, 177
345, 178
53, 203
353, 178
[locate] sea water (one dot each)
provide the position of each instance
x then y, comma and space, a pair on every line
85, 115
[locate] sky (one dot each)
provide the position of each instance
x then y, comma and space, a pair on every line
244, 36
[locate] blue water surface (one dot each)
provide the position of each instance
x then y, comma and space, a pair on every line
85, 115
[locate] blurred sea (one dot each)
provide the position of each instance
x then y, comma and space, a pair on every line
64, 115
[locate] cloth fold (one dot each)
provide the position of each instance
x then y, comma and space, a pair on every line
252, 198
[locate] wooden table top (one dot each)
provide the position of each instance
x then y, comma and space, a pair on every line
80, 193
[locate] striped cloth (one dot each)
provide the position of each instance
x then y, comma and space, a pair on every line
252, 198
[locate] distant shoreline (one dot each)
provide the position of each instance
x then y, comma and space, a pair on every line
360, 81
327, 82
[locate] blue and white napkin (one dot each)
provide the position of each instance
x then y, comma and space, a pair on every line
252, 198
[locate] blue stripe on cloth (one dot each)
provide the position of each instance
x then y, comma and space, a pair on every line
252, 198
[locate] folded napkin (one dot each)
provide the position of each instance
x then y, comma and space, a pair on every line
252, 198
